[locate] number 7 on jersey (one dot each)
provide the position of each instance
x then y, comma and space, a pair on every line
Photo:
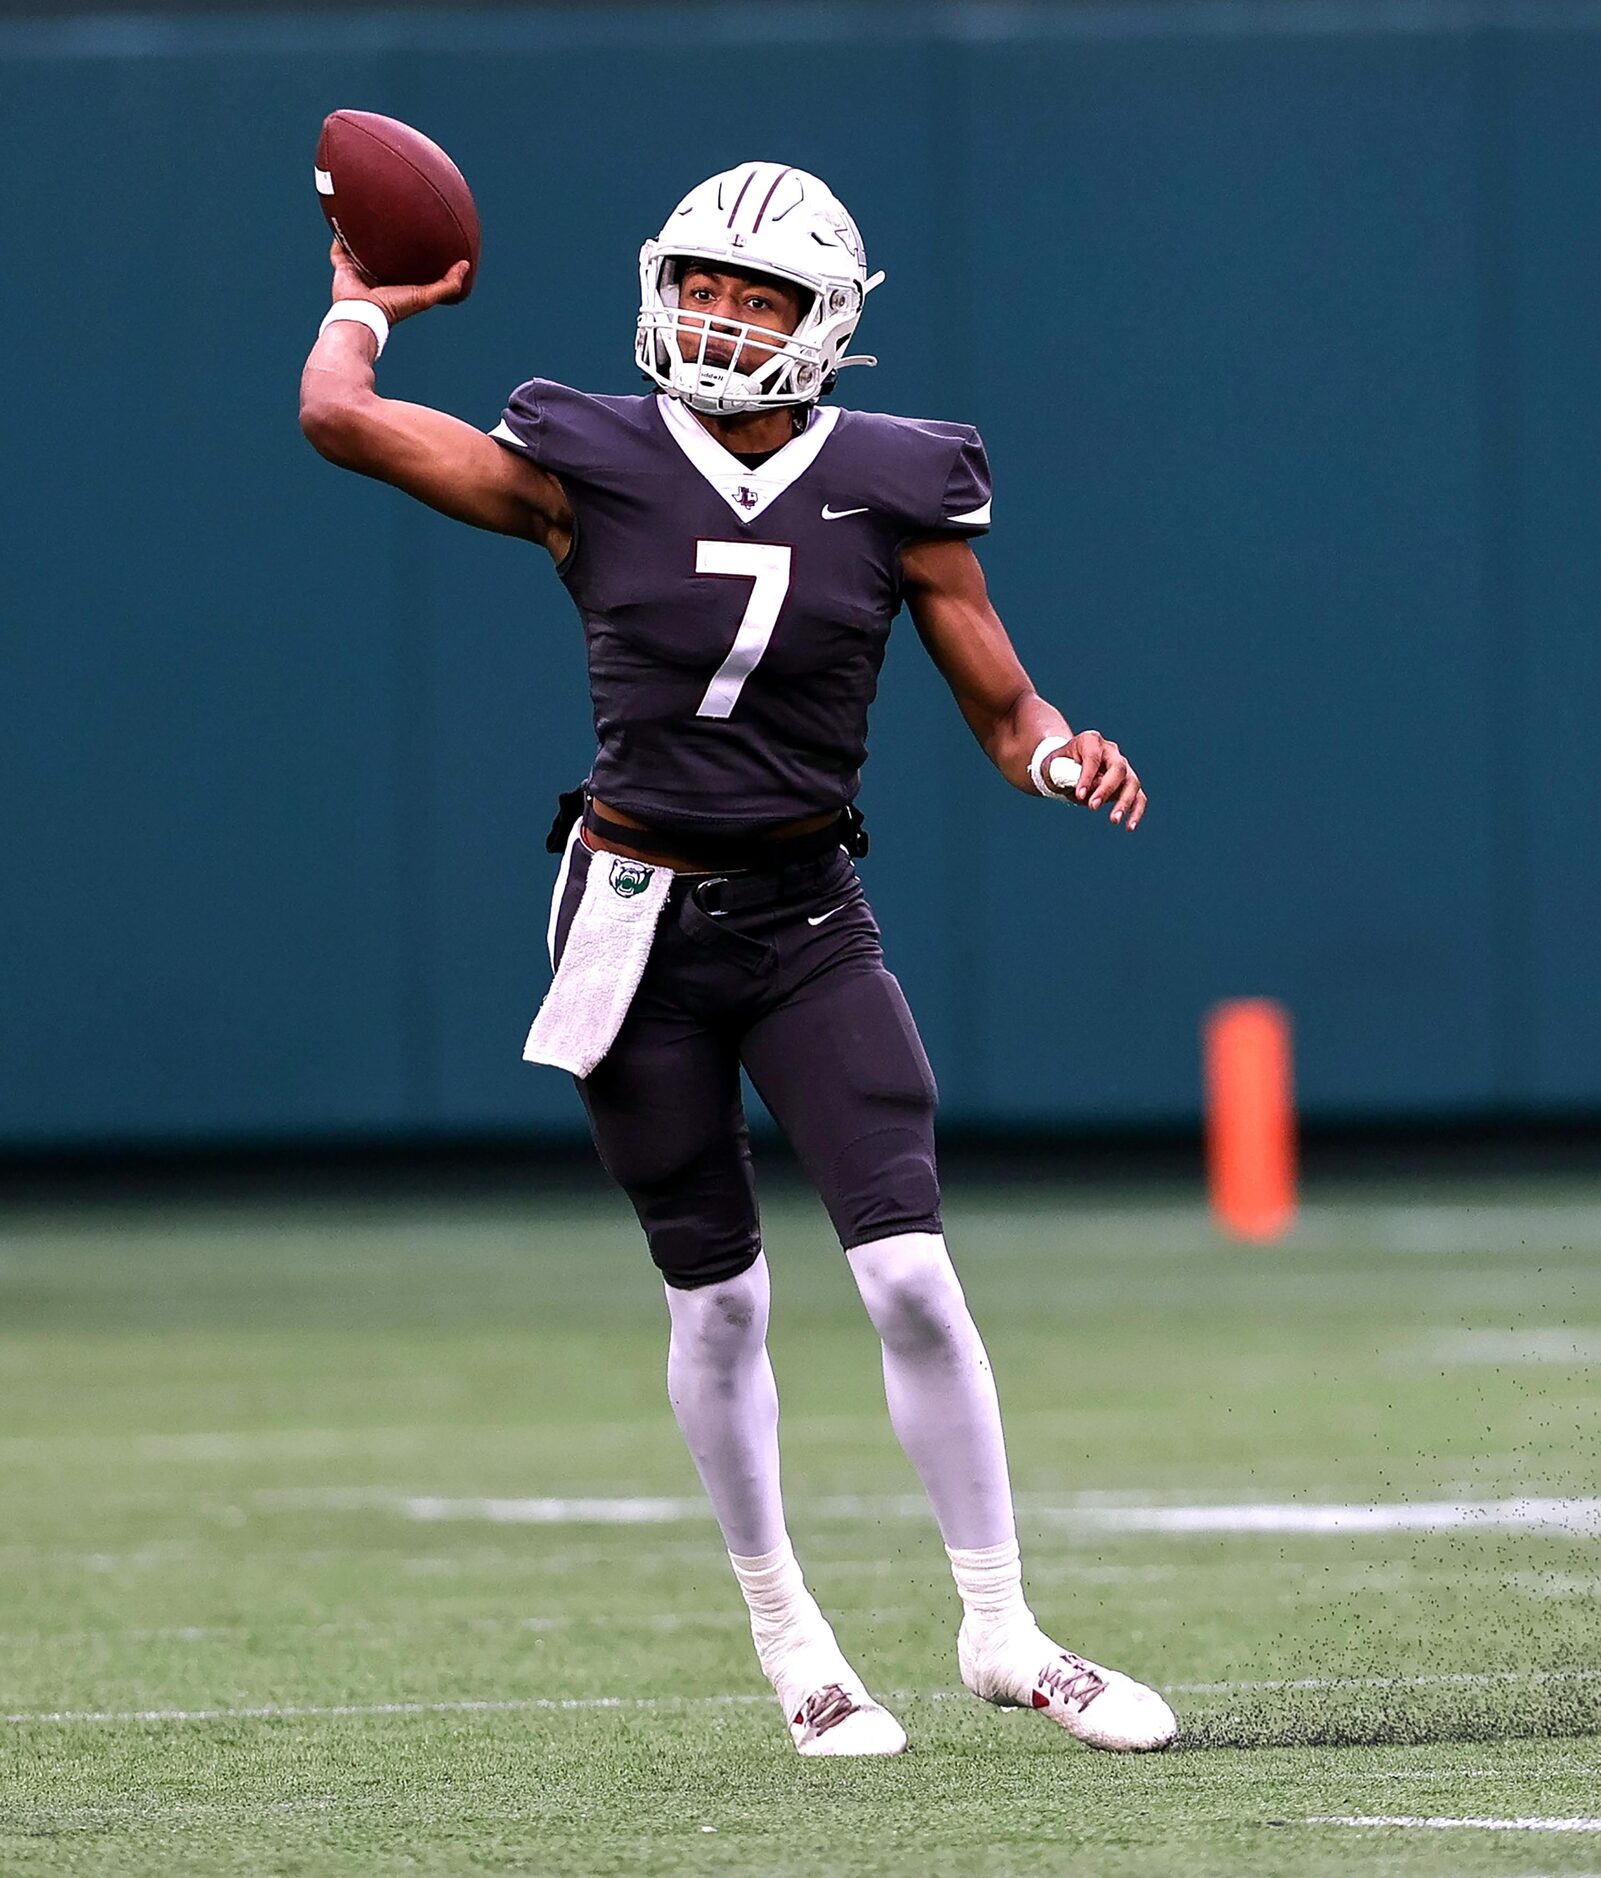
767, 566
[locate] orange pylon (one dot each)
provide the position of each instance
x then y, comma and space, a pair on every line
1250, 1118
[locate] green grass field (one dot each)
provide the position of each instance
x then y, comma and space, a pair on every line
293, 1583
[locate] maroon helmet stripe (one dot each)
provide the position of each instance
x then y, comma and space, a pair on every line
766, 199
741, 197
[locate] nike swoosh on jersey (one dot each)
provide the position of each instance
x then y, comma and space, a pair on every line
838, 515
816, 919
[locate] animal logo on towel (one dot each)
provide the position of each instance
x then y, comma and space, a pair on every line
629, 877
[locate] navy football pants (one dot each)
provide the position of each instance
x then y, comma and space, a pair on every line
795, 989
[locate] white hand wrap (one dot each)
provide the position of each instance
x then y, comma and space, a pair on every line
1064, 772
366, 313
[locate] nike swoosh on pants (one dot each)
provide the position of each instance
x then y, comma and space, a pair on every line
818, 918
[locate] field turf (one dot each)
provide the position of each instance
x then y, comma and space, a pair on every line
294, 1581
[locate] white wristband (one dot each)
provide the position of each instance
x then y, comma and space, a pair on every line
1064, 772
366, 313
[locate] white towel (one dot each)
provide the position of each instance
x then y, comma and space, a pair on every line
601, 966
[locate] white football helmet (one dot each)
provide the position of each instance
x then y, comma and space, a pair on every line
759, 218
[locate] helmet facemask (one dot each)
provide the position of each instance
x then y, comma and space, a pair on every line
795, 368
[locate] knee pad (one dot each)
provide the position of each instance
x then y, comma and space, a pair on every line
689, 1262
700, 1222
884, 1182
881, 1176
691, 1188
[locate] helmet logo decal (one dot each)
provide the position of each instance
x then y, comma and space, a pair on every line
738, 199
767, 199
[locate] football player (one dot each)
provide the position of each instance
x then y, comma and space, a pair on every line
737, 550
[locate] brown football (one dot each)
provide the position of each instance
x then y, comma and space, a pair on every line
397, 202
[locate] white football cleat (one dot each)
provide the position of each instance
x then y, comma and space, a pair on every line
829, 1710
840, 1720
1019, 1667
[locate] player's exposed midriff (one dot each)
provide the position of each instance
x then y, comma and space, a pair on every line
659, 853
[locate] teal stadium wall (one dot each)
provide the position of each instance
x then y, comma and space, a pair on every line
1279, 321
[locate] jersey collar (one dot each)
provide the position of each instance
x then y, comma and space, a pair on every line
746, 491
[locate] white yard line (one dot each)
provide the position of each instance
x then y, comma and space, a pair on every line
713, 1618
156, 1554
1432, 1824
230, 1445
1091, 1515
293, 1712
634, 1511
1577, 1515
580, 1704
1510, 1227
1555, 1584
1459, 1349
1580, 1516
357, 1627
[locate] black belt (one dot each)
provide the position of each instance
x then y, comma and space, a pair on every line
738, 893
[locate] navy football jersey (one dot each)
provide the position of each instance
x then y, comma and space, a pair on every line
736, 618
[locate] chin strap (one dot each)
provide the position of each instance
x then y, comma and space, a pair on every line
856, 358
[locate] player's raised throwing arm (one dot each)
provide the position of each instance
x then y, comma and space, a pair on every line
950, 605
435, 457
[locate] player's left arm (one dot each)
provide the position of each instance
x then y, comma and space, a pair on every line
950, 606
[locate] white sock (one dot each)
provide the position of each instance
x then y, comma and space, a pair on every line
990, 1579
938, 1383
784, 1616
720, 1383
